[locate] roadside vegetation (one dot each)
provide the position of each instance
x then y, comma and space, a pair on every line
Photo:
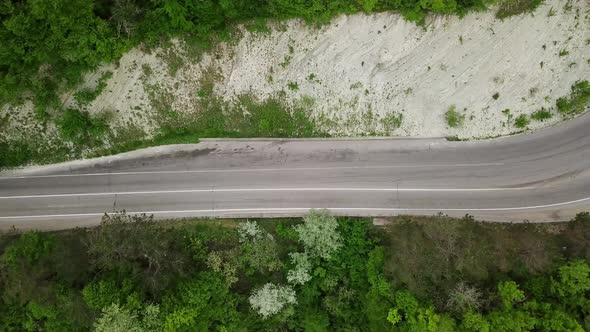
577, 101
49, 45
454, 118
509, 8
318, 273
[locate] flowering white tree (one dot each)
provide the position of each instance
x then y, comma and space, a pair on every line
319, 234
249, 230
271, 299
300, 273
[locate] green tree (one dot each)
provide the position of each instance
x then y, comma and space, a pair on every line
259, 250
136, 243
29, 248
115, 318
99, 294
573, 279
473, 321
509, 293
409, 315
202, 304
53, 39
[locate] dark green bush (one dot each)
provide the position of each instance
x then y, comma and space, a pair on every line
14, 153
87, 96
541, 115
516, 7
78, 126
521, 121
578, 100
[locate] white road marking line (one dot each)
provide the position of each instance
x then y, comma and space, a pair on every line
299, 209
214, 190
249, 170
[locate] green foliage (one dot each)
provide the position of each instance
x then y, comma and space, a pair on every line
35, 291
521, 121
47, 46
260, 254
417, 274
138, 245
87, 96
28, 249
541, 115
54, 39
391, 121
578, 100
80, 128
577, 236
293, 86
102, 293
410, 315
509, 293
454, 119
509, 8
430, 256
117, 319
563, 52
14, 153
270, 118
249, 118
59, 39
574, 279
202, 304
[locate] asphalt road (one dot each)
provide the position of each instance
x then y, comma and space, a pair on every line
543, 176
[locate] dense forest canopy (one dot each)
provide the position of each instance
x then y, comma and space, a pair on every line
317, 274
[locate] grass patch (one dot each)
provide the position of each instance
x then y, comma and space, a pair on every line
86, 96
258, 25
248, 118
454, 139
391, 122
521, 121
286, 61
269, 118
293, 86
356, 85
541, 115
563, 52
577, 101
171, 55
454, 119
509, 8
